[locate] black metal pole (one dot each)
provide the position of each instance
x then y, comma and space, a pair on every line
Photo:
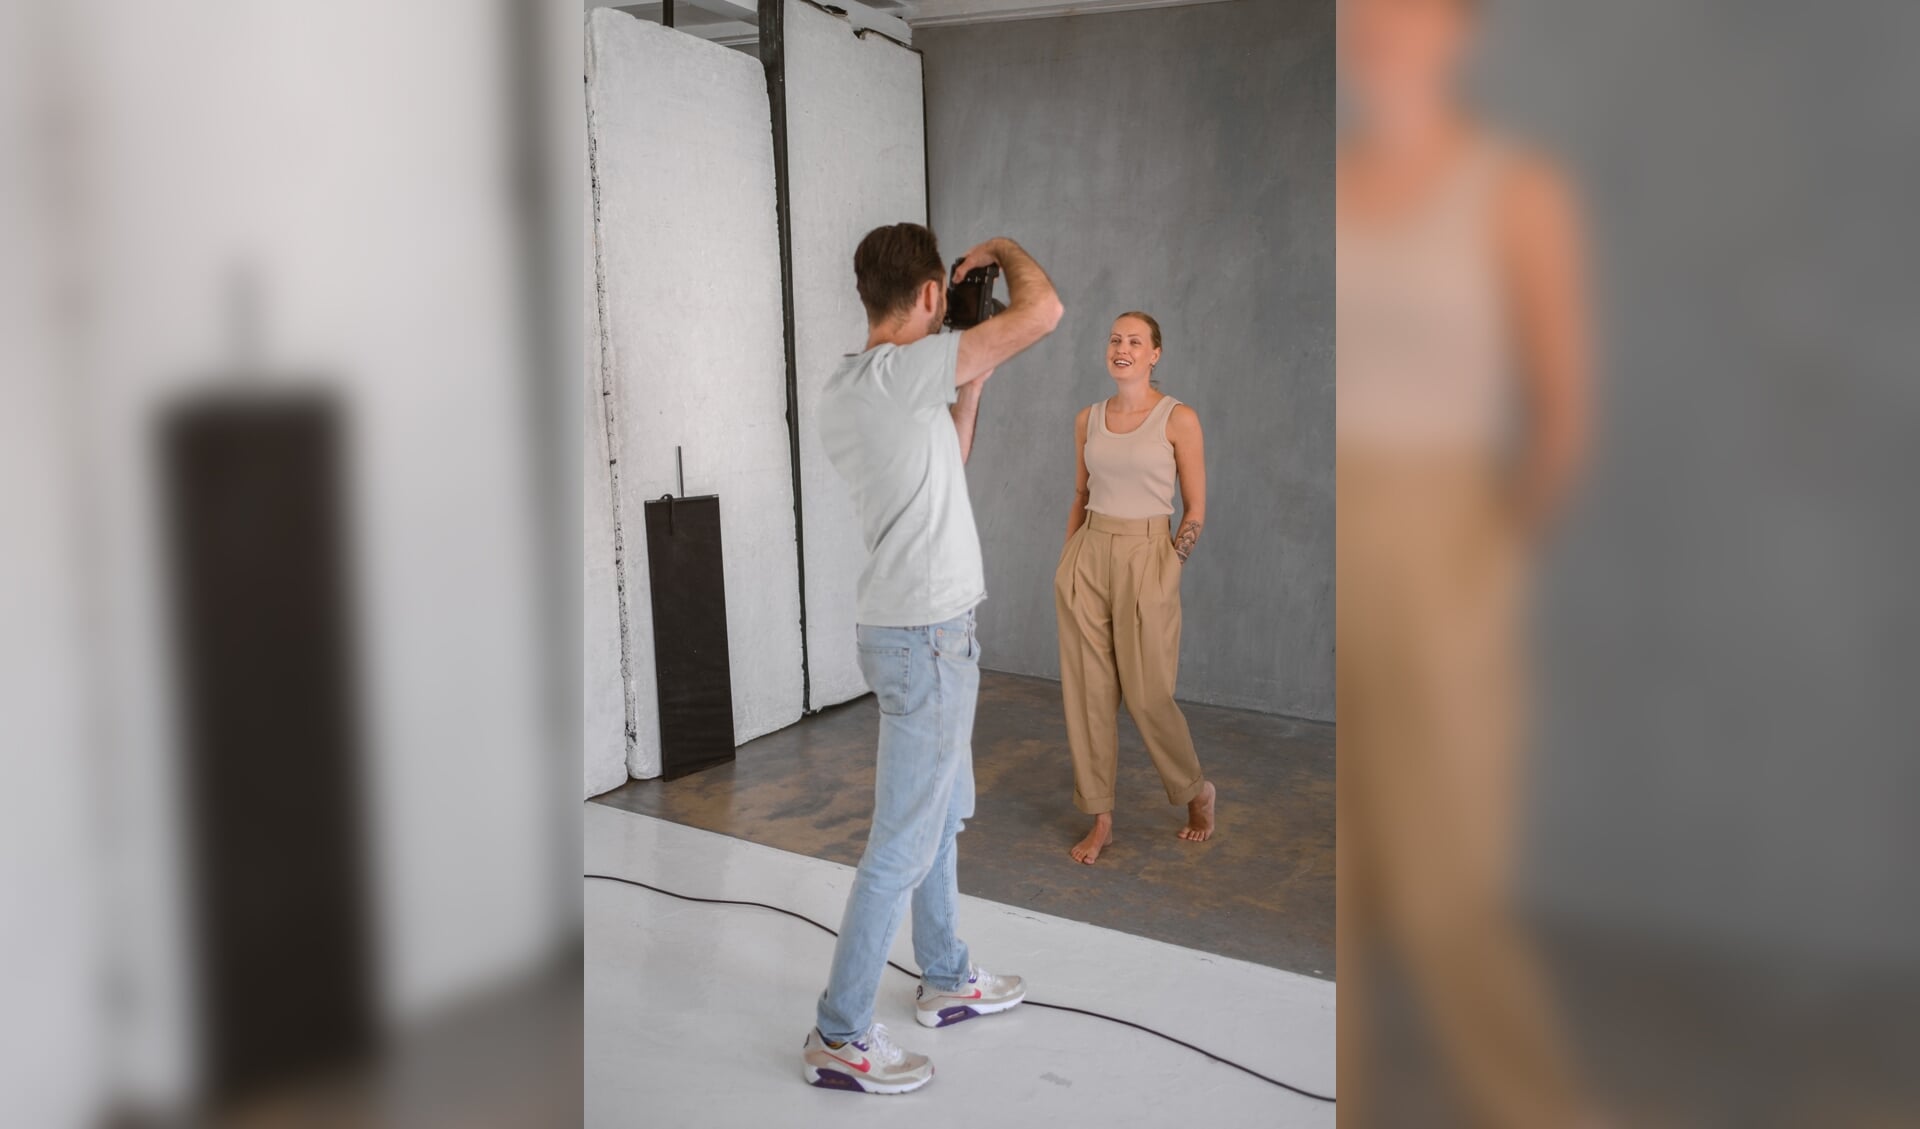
666, 13
773, 57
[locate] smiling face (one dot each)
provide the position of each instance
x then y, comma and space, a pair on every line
1132, 350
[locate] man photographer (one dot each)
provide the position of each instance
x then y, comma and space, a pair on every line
897, 423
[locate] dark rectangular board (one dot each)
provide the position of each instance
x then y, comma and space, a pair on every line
691, 662
261, 622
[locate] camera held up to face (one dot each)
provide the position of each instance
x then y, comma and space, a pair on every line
970, 301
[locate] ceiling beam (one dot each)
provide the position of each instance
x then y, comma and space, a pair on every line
742, 10
945, 13
745, 11
725, 32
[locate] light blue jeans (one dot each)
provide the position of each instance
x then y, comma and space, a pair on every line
926, 680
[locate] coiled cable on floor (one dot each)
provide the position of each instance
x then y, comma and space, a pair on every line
1026, 1003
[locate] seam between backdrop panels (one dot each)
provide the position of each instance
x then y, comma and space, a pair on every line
630, 736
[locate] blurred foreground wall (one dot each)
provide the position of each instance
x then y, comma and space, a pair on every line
248, 202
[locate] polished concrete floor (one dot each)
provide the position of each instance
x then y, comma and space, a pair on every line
1261, 890
695, 1013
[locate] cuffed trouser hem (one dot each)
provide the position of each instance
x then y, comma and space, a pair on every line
1188, 794
1093, 807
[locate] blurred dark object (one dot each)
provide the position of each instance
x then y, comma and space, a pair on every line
970, 301
264, 649
509, 1057
690, 634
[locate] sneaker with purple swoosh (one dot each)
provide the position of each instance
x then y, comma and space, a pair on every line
870, 1064
982, 994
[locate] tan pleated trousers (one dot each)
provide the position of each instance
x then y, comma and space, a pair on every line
1117, 597
1431, 584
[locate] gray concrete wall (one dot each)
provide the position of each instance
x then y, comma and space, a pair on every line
1178, 161
373, 219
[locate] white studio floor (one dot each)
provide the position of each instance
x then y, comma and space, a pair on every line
695, 1013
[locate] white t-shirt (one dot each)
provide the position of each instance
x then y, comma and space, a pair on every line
884, 422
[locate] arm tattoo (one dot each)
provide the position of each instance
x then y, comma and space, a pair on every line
1183, 541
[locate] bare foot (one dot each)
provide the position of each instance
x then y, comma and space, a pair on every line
1199, 826
1101, 837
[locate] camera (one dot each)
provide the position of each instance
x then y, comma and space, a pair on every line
970, 301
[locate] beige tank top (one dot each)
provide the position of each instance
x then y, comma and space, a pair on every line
1131, 475
1422, 340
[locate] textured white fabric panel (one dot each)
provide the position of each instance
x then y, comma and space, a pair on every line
856, 152
683, 153
603, 725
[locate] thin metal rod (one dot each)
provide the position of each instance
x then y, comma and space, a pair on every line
773, 56
680, 472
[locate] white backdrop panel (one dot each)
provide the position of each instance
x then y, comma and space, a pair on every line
683, 153
856, 152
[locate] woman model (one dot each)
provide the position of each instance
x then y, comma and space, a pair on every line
1117, 590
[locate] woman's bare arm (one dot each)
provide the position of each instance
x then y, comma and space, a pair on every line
1078, 515
1540, 245
1190, 461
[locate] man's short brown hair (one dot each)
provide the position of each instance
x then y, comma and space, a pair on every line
890, 266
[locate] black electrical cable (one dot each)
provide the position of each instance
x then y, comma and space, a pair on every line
1026, 1003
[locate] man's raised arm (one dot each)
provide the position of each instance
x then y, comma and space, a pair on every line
1033, 310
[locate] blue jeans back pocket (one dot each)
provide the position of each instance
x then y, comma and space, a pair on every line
889, 674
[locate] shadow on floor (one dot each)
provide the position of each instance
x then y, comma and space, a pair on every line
1261, 890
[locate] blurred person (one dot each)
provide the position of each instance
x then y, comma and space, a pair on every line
897, 421
1117, 590
1462, 417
